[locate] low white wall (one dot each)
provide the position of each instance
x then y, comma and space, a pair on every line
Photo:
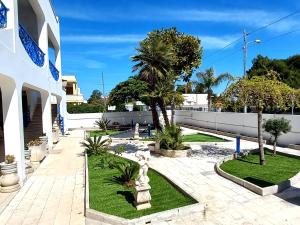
87, 120
243, 123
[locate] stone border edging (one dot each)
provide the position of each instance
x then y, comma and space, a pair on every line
167, 215
252, 187
294, 146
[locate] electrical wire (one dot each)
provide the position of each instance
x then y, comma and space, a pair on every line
251, 32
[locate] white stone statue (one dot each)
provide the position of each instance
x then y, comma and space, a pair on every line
143, 157
142, 188
136, 132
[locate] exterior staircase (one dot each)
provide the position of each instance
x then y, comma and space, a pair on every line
35, 126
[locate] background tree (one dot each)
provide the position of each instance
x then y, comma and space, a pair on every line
288, 70
186, 57
276, 127
209, 81
260, 93
96, 98
131, 89
84, 108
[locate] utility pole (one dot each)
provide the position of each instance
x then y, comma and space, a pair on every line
245, 61
103, 91
257, 41
245, 51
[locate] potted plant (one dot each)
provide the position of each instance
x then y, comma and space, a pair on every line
28, 165
55, 135
44, 137
38, 150
170, 142
9, 180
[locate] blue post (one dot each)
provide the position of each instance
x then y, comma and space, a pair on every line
149, 130
132, 124
238, 144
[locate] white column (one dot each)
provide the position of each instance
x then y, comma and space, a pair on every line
12, 20
13, 125
43, 40
47, 118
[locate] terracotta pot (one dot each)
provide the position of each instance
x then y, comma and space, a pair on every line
151, 147
176, 153
44, 138
38, 152
55, 136
10, 179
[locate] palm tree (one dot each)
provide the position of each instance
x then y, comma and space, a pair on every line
209, 81
154, 60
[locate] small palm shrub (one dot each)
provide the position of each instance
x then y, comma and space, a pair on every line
94, 145
170, 138
35, 142
103, 124
9, 159
276, 127
128, 172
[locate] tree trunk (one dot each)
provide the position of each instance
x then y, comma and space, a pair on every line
155, 117
274, 146
172, 113
209, 101
260, 138
163, 111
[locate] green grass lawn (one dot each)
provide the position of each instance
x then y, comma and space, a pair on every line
277, 169
194, 138
101, 133
201, 138
115, 199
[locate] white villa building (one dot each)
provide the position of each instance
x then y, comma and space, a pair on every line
73, 94
30, 76
195, 101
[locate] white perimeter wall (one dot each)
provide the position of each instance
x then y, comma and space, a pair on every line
87, 120
245, 124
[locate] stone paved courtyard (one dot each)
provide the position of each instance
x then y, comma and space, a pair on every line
54, 194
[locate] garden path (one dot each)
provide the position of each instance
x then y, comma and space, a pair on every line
54, 194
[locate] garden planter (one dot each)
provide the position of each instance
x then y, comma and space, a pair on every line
9, 180
44, 138
55, 136
28, 165
38, 152
176, 153
153, 147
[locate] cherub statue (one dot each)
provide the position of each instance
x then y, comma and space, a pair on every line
143, 159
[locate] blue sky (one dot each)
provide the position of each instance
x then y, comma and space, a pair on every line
100, 36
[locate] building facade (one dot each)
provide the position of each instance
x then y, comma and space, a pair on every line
30, 76
195, 101
73, 94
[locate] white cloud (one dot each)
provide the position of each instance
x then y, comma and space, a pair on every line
211, 42
242, 17
112, 52
208, 42
123, 38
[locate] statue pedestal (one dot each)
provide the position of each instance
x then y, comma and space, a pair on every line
142, 197
136, 136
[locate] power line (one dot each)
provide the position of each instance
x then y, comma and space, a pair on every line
226, 56
274, 22
266, 41
221, 49
254, 31
280, 35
